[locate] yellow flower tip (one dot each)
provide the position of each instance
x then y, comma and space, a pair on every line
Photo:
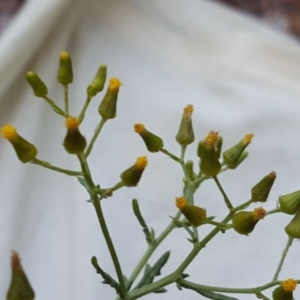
247, 138
212, 137
289, 285
180, 203
72, 123
259, 213
114, 83
8, 132
64, 55
188, 109
139, 128
141, 162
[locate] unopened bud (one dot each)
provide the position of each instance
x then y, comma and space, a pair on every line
209, 163
108, 107
244, 221
290, 203
98, 82
74, 141
293, 228
185, 135
231, 156
189, 165
20, 288
260, 191
132, 175
25, 151
39, 87
153, 142
65, 70
194, 214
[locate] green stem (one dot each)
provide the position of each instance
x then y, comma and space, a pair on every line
256, 290
47, 165
226, 199
66, 98
96, 133
243, 206
97, 205
151, 248
174, 157
86, 104
177, 274
273, 211
55, 107
283, 256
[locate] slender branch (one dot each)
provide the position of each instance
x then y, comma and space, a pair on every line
174, 157
283, 256
47, 165
96, 133
66, 98
85, 106
256, 290
56, 108
97, 205
226, 199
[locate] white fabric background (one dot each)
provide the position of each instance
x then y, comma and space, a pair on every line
241, 77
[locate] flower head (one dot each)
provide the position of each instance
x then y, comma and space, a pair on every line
131, 176
153, 142
194, 214
25, 151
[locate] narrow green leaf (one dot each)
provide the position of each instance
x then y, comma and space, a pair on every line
136, 209
107, 278
160, 291
151, 272
82, 181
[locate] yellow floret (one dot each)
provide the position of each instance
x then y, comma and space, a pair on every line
139, 128
180, 203
141, 162
247, 138
188, 109
259, 213
9, 132
289, 285
212, 137
114, 83
72, 123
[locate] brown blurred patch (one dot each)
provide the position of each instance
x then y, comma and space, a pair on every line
283, 14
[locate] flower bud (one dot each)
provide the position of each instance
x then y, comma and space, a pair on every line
260, 191
209, 164
153, 142
194, 214
232, 155
25, 151
185, 135
39, 87
74, 141
244, 221
97, 84
290, 203
189, 165
293, 228
108, 107
65, 70
285, 290
132, 175
19, 288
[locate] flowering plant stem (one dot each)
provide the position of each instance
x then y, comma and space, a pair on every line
97, 205
283, 256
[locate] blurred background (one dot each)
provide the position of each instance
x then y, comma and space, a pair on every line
281, 14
